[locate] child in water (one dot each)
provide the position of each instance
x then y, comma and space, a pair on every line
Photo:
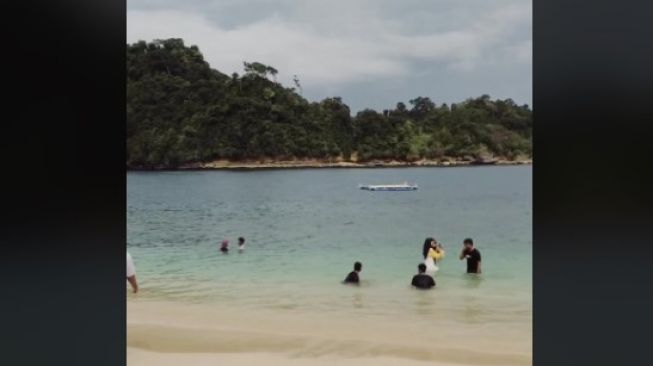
436, 251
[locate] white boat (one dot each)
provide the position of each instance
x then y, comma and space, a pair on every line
389, 187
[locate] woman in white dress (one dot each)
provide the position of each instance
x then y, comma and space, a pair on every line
434, 254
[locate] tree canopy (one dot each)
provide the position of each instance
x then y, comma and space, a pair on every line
179, 110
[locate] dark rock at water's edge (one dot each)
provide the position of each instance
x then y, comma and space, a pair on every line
485, 161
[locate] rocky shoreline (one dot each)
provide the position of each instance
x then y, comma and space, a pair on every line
316, 164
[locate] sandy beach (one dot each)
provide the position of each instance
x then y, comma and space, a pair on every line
139, 357
336, 163
169, 333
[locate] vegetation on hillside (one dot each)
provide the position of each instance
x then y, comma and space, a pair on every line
179, 110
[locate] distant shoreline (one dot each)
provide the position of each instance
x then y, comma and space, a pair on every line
321, 164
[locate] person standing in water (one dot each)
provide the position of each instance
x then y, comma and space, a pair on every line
427, 246
131, 273
352, 277
472, 255
435, 253
224, 247
241, 244
421, 280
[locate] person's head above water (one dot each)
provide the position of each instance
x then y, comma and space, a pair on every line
468, 243
358, 266
421, 268
241, 240
225, 243
429, 241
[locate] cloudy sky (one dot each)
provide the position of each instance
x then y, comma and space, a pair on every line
372, 53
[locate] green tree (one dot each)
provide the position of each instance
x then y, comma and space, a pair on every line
179, 110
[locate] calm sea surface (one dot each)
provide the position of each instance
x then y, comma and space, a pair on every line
305, 228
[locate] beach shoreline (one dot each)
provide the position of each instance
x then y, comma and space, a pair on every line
172, 333
335, 163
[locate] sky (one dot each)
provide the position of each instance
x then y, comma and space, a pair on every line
372, 53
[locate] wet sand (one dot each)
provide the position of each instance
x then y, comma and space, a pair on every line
170, 333
140, 357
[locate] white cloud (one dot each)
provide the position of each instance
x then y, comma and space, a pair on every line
290, 48
370, 52
322, 55
524, 51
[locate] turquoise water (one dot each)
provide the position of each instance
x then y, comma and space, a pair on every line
305, 228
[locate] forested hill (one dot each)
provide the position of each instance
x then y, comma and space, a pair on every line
179, 111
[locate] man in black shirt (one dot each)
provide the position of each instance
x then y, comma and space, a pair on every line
422, 280
473, 256
352, 277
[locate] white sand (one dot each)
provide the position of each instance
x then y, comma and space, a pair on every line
183, 334
137, 357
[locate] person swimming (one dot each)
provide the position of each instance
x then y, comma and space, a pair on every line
421, 280
352, 277
241, 244
224, 246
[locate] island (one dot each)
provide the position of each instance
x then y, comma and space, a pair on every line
182, 114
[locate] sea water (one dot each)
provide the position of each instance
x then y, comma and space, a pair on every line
305, 229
